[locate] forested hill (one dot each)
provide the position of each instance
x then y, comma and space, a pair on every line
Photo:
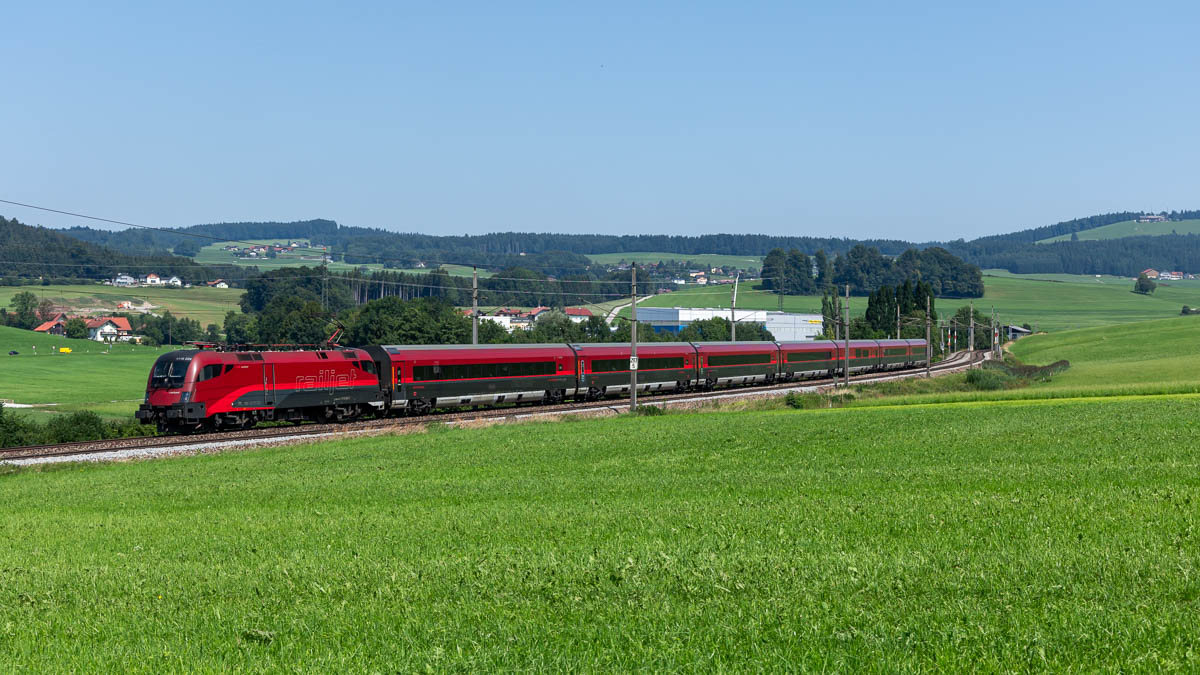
366, 245
1016, 252
1076, 225
31, 252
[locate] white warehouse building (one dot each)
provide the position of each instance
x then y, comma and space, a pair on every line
785, 326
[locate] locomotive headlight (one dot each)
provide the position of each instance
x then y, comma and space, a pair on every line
185, 397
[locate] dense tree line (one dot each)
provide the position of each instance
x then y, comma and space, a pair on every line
865, 269
1126, 256
32, 252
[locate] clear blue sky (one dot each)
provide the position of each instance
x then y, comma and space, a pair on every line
910, 120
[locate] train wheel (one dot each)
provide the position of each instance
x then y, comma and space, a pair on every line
419, 406
555, 396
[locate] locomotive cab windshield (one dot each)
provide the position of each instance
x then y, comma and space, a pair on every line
170, 370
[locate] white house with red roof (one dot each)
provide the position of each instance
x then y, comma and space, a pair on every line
109, 329
578, 314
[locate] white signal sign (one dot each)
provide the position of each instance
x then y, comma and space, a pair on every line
633, 363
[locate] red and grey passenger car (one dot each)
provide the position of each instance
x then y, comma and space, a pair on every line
422, 377
662, 366
733, 363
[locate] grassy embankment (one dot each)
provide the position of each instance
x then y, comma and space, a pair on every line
1151, 358
1015, 537
1132, 228
206, 305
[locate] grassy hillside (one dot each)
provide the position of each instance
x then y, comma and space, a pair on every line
709, 259
1161, 353
206, 305
110, 383
1149, 358
1132, 228
311, 257
214, 255
1056, 302
1020, 537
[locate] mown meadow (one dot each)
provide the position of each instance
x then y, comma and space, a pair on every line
110, 383
1020, 536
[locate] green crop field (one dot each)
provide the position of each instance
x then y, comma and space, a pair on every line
1027, 536
707, 259
1132, 228
110, 383
206, 305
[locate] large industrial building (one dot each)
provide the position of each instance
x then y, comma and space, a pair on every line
785, 326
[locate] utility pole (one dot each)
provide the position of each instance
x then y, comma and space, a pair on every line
928, 336
324, 275
633, 364
897, 319
474, 305
846, 334
733, 310
782, 285
971, 331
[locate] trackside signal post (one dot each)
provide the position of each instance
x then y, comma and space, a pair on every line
633, 364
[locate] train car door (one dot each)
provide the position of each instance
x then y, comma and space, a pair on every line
268, 376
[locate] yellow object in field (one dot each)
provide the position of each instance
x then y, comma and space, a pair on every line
64, 350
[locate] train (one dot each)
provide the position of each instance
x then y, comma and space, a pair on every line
200, 390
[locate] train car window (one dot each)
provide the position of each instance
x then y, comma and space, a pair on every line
471, 371
245, 357
738, 359
209, 372
896, 351
228, 367
808, 356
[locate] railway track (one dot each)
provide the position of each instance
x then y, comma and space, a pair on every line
158, 445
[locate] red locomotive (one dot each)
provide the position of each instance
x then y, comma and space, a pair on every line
206, 390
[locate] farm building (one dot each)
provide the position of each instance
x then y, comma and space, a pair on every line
785, 326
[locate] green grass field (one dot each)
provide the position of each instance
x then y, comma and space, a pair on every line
708, 259
206, 305
109, 383
1027, 536
1132, 228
